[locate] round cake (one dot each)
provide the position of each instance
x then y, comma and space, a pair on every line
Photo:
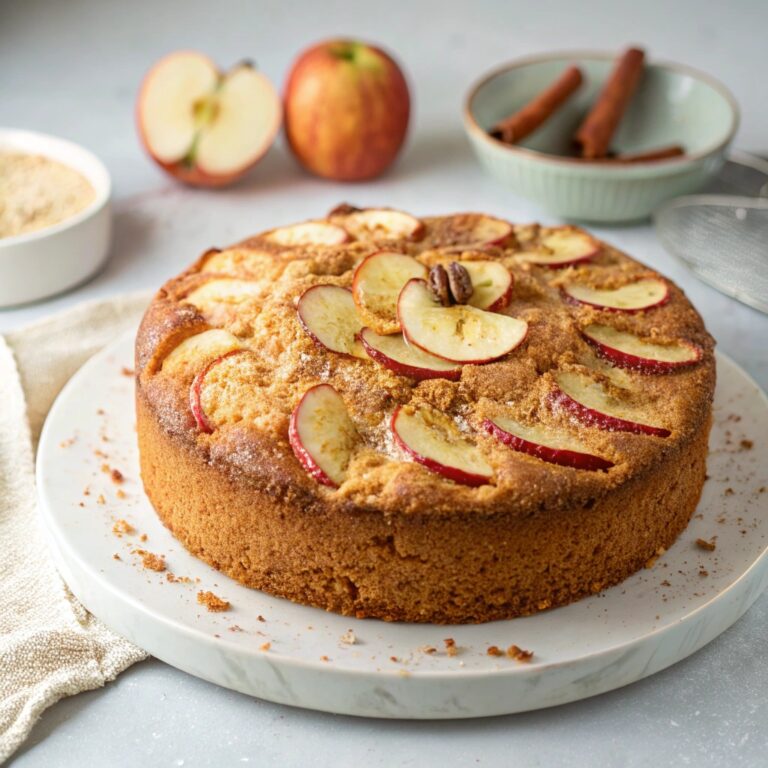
448, 419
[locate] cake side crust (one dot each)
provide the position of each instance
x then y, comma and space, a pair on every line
452, 569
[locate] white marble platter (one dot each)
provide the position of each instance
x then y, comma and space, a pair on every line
275, 650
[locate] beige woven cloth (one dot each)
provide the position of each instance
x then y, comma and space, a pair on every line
50, 646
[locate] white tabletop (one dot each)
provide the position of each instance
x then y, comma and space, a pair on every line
72, 68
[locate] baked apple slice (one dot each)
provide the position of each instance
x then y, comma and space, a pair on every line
308, 233
546, 444
591, 404
223, 291
198, 349
406, 360
434, 441
383, 224
377, 283
327, 313
322, 435
204, 424
632, 297
492, 285
629, 351
562, 247
460, 333
465, 231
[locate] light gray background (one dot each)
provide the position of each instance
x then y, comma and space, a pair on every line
72, 68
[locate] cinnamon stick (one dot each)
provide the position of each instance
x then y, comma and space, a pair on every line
662, 153
526, 120
594, 135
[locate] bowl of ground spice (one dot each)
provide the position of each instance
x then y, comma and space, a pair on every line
55, 219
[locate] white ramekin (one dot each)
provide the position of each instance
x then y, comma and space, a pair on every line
42, 263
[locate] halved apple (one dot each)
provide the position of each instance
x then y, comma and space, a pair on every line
406, 360
629, 351
562, 247
434, 441
591, 404
198, 349
308, 233
464, 231
204, 127
323, 435
195, 392
546, 444
327, 313
632, 297
377, 283
383, 224
492, 285
461, 333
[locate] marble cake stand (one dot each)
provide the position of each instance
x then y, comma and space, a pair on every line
275, 650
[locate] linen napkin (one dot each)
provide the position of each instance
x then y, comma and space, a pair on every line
50, 646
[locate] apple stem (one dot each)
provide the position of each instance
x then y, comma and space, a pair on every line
345, 51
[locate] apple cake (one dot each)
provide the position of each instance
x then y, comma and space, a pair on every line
447, 419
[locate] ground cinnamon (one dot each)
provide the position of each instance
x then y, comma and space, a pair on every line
525, 121
594, 136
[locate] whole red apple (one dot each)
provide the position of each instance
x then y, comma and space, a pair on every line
346, 110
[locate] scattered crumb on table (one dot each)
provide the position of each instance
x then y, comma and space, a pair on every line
212, 602
150, 561
519, 654
122, 526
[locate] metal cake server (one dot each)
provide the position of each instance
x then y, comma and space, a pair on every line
722, 234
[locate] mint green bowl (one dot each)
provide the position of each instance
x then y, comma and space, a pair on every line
673, 105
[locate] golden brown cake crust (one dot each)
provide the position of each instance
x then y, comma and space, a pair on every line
397, 541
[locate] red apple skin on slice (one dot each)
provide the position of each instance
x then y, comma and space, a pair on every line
461, 334
322, 435
328, 315
376, 285
563, 247
597, 414
629, 351
434, 442
393, 353
632, 297
510, 433
383, 224
308, 233
195, 393
492, 283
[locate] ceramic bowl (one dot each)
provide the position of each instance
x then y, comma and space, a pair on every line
673, 105
50, 260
